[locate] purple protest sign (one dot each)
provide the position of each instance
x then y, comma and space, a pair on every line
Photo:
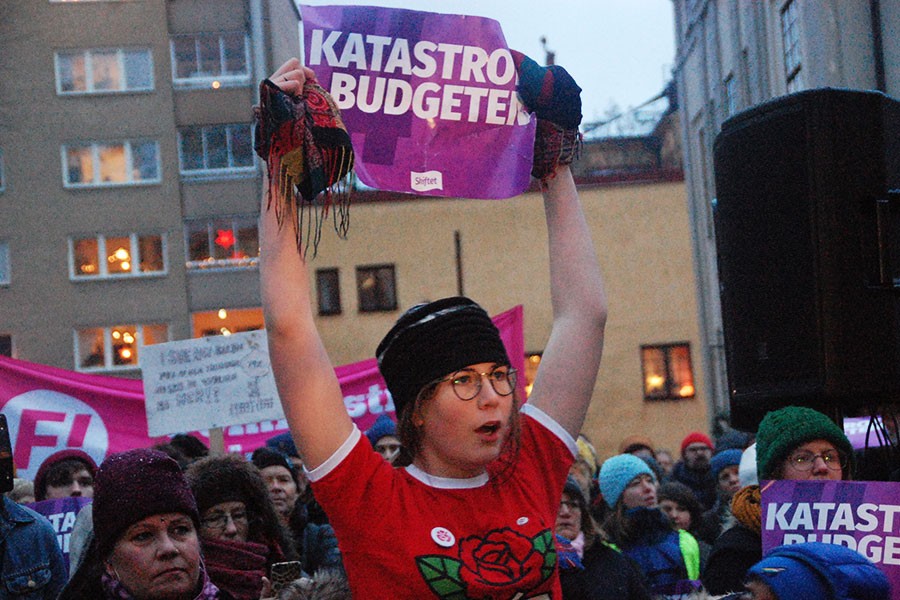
429, 99
61, 513
861, 515
864, 432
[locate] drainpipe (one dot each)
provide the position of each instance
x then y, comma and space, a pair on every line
877, 45
257, 36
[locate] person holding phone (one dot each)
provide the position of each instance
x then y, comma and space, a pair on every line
487, 471
31, 563
241, 533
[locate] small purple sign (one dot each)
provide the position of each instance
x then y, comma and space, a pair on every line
864, 432
61, 513
429, 99
861, 515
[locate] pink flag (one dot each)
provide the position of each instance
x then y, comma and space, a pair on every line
49, 409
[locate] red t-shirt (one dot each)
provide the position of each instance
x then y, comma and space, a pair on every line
406, 534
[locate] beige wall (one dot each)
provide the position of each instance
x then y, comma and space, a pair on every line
642, 238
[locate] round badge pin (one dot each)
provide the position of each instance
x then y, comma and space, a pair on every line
443, 537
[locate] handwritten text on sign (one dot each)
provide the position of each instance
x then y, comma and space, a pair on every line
208, 382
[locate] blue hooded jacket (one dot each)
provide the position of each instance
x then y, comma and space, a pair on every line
818, 571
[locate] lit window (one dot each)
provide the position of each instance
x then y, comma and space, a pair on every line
328, 291
216, 149
667, 371
5, 345
210, 59
532, 362
790, 39
130, 255
117, 163
115, 348
222, 243
4, 263
376, 288
225, 321
104, 71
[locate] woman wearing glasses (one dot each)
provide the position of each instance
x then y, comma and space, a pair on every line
240, 532
473, 515
791, 443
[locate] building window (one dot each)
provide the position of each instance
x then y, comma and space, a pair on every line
5, 345
112, 256
4, 263
95, 164
532, 362
2, 175
210, 59
225, 321
328, 291
216, 149
115, 348
100, 71
229, 242
667, 371
790, 39
377, 288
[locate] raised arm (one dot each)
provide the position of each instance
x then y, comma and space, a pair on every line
565, 379
307, 384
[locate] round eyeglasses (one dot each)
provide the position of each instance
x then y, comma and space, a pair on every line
804, 461
466, 383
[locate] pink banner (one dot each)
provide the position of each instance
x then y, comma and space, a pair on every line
50, 409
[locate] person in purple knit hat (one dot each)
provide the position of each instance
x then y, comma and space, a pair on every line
146, 545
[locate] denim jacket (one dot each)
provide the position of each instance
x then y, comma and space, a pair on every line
32, 566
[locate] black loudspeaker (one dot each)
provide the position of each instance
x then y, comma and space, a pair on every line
807, 221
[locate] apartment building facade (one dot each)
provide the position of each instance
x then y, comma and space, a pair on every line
733, 55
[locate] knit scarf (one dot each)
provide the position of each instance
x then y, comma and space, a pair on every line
308, 157
115, 590
238, 567
747, 508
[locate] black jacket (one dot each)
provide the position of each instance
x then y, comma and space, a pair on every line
736, 550
607, 575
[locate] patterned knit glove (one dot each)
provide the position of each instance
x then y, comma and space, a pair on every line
309, 159
552, 94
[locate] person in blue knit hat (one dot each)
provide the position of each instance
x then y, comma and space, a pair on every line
724, 467
383, 437
669, 559
816, 571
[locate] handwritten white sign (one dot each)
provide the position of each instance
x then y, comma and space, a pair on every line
208, 382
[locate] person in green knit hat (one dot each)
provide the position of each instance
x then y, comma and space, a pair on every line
796, 442
793, 442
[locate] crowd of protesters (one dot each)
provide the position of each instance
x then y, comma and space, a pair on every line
175, 521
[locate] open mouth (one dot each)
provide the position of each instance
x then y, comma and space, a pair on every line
489, 428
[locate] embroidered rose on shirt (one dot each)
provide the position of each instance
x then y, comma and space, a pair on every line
498, 566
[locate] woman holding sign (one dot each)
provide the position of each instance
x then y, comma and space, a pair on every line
473, 516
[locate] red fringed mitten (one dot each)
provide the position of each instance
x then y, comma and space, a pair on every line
552, 94
308, 158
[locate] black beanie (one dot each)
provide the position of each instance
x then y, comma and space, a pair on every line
264, 457
432, 340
